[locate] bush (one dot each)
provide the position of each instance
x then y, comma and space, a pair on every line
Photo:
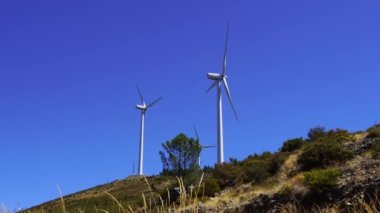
319, 134
256, 172
316, 133
211, 187
259, 167
275, 162
323, 154
192, 177
228, 174
292, 144
320, 180
339, 135
374, 131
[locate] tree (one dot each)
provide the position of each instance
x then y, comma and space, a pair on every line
180, 155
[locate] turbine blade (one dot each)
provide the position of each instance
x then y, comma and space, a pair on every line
225, 51
196, 133
212, 86
141, 97
229, 96
154, 102
208, 146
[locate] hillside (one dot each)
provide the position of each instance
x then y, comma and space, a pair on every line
128, 191
330, 171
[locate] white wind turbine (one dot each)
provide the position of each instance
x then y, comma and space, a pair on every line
203, 147
218, 79
143, 108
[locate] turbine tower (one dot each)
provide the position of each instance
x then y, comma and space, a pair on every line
219, 79
143, 108
202, 146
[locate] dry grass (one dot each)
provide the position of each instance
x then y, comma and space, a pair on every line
128, 191
233, 197
359, 136
188, 201
291, 163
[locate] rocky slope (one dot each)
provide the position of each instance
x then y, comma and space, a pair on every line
359, 183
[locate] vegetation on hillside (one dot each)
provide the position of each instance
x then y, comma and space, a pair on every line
292, 145
374, 131
320, 180
303, 175
322, 154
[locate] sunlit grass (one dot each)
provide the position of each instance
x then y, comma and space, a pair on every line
151, 202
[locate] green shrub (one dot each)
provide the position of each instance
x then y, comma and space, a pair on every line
320, 180
211, 187
292, 144
192, 177
259, 167
256, 172
322, 154
316, 133
275, 162
374, 131
254, 169
339, 135
228, 174
320, 134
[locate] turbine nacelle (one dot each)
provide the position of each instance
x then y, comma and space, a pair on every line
214, 76
144, 106
141, 107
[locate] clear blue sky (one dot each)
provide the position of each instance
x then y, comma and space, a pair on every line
69, 70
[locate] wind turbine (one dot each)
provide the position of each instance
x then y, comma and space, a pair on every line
219, 79
203, 147
143, 108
